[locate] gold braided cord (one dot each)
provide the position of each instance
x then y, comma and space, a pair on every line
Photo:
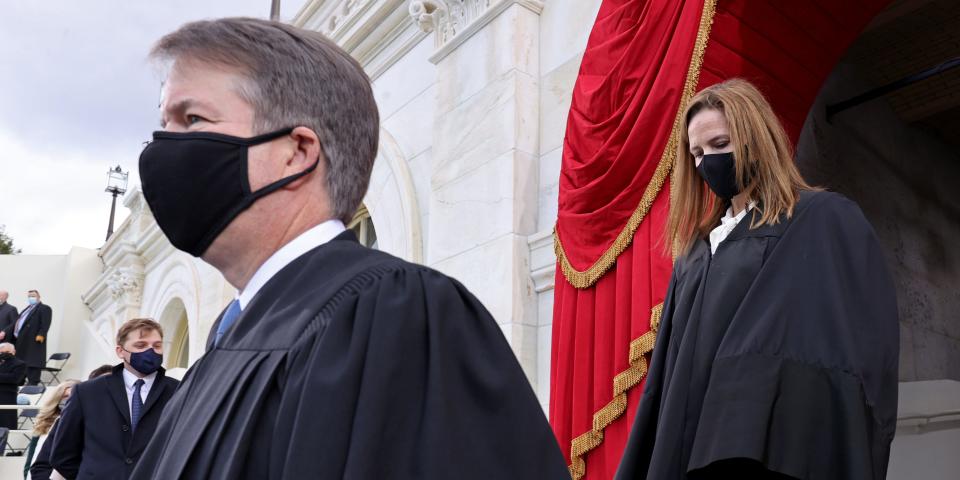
586, 278
623, 382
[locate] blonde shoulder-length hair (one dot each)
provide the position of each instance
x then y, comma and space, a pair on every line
763, 160
50, 407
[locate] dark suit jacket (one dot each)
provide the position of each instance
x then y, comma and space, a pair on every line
8, 316
32, 352
12, 371
94, 439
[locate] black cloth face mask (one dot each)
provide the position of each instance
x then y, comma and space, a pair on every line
718, 170
145, 362
196, 183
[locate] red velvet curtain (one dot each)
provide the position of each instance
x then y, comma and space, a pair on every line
614, 198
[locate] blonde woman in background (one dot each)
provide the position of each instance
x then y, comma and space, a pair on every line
51, 406
38, 461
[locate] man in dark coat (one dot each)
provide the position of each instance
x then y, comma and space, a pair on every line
335, 360
29, 334
8, 313
109, 420
12, 371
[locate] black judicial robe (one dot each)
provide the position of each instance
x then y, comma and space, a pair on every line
778, 353
351, 363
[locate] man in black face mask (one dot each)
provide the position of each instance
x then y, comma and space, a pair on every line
110, 419
335, 360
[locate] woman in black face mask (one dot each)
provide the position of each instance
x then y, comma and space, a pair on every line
777, 352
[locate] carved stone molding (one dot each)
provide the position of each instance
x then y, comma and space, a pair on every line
341, 16
125, 285
433, 16
453, 21
375, 32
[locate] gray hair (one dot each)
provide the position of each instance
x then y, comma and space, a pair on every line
6, 346
296, 77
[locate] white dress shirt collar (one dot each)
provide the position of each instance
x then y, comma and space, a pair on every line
304, 242
129, 379
727, 224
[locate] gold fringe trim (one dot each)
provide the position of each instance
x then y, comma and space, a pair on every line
623, 382
586, 278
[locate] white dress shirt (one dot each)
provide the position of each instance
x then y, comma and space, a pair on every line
304, 242
129, 379
727, 224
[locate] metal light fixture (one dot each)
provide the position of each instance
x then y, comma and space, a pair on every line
116, 185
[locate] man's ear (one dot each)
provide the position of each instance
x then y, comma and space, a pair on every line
307, 149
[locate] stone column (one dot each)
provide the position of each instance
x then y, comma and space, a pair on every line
483, 198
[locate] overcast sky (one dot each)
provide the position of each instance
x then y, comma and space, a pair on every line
77, 97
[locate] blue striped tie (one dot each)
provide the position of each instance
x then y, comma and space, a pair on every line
230, 316
136, 406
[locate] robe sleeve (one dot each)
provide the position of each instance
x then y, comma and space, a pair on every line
426, 385
805, 381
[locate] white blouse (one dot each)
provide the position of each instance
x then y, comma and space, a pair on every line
727, 224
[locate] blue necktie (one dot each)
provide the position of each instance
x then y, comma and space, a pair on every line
230, 316
136, 406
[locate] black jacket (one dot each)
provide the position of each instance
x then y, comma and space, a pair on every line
94, 439
8, 315
32, 352
12, 371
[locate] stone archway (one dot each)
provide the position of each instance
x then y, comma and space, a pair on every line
173, 299
176, 334
896, 156
391, 202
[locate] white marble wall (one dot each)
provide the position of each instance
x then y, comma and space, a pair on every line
399, 193
564, 28
484, 176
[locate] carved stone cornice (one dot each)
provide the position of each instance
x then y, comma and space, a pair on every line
375, 32
454, 21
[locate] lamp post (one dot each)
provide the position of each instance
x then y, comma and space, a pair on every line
275, 10
116, 185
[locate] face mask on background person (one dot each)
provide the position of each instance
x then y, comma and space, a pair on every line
145, 362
